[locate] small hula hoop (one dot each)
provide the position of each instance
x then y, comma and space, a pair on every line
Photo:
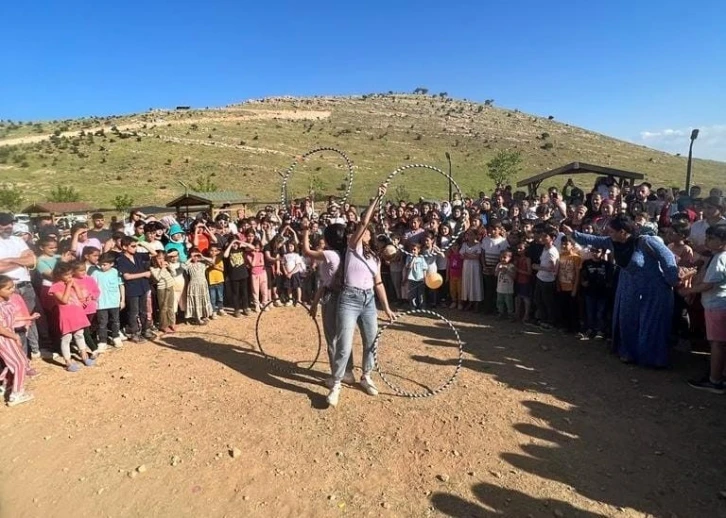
284, 365
288, 172
382, 213
428, 393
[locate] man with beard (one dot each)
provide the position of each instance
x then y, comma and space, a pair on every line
15, 260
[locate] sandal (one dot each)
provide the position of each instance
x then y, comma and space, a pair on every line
73, 367
89, 362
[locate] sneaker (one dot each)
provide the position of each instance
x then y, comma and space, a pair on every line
89, 362
708, 385
599, 336
452, 305
213, 316
367, 384
102, 348
2, 391
349, 378
236, 313
221, 313
582, 336
288, 303
277, 304
17, 399
333, 396
117, 342
149, 334
35, 355
122, 336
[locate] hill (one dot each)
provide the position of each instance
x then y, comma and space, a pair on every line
242, 147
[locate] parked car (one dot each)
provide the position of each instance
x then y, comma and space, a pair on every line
22, 218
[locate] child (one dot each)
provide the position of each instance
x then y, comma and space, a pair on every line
163, 276
545, 296
72, 317
134, 270
491, 247
292, 267
256, 262
471, 283
414, 274
274, 271
568, 284
713, 297
454, 265
175, 267
396, 269
522, 283
91, 254
11, 349
199, 308
238, 275
110, 301
215, 278
431, 253
596, 279
88, 294
506, 273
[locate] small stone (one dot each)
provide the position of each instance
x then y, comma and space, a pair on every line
338, 453
235, 453
132, 474
472, 473
443, 477
658, 452
97, 450
81, 479
101, 490
175, 460
47, 437
331, 497
141, 469
65, 470
245, 498
385, 505
496, 474
558, 513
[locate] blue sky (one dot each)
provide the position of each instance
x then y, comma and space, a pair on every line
645, 71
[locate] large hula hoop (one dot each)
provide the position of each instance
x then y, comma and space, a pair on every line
277, 363
382, 214
431, 392
288, 172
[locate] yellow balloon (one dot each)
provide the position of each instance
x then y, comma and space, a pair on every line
433, 281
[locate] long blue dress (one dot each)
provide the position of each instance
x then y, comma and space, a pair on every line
643, 300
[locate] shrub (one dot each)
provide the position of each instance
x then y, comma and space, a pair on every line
547, 145
545, 135
11, 197
550, 117
64, 194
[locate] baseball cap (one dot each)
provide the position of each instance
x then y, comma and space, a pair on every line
20, 229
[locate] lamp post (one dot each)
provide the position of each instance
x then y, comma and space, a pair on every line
694, 136
448, 158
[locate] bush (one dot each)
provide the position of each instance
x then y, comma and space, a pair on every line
550, 117
547, 145
64, 194
545, 135
11, 197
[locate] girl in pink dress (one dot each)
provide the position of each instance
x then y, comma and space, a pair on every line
72, 318
11, 351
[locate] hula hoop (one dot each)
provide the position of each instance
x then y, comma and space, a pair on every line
284, 365
288, 172
382, 214
429, 392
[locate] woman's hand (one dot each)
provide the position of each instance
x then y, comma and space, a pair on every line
313, 310
567, 230
382, 190
390, 314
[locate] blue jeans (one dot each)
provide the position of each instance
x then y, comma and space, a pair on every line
329, 312
216, 296
27, 292
356, 307
595, 310
416, 294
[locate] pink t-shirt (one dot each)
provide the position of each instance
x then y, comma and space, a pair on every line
359, 271
456, 264
20, 309
91, 290
258, 263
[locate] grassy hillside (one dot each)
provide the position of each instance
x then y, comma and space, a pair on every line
243, 147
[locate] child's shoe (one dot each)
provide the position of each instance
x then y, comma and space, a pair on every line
599, 336
17, 399
277, 304
221, 313
89, 362
288, 303
101, 348
236, 313
367, 384
213, 316
256, 308
117, 342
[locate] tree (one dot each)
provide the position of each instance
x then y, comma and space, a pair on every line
401, 193
11, 197
488, 102
504, 166
421, 90
123, 203
204, 183
315, 188
63, 193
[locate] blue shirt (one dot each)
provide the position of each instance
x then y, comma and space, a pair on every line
136, 287
416, 268
109, 283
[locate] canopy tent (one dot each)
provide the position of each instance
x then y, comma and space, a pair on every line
533, 183
208, 201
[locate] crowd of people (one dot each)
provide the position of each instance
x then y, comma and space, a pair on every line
641, 268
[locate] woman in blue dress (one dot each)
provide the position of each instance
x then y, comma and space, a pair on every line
644, 296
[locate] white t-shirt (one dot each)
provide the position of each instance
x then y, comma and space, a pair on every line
14, 246
549, 259
715, 298
329, 267
293, 259
698, 231
505, 281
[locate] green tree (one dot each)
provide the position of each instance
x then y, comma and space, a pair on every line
505, 165
123, 203
421, 90
204, 183
315, 187
63, 193
401, 193
11, 197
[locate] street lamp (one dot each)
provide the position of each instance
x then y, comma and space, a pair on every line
694, 136
448, 157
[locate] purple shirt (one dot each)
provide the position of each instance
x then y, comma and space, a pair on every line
359, 271
91, 241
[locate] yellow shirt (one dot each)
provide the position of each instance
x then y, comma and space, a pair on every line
215, 275
569, 267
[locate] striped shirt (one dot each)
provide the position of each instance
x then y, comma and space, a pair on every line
491, 248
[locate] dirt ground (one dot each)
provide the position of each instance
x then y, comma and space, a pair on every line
200, 424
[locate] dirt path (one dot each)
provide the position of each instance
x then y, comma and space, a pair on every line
536, 426
251, 115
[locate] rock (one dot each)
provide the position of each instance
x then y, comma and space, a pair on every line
558, 513
141, 469
97, 450
385, 505
101, 490
175, 460
338, 453
132, 474
472, 473
496, 474
245, 498
47, 437
331, 497
235, 453
443, 477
